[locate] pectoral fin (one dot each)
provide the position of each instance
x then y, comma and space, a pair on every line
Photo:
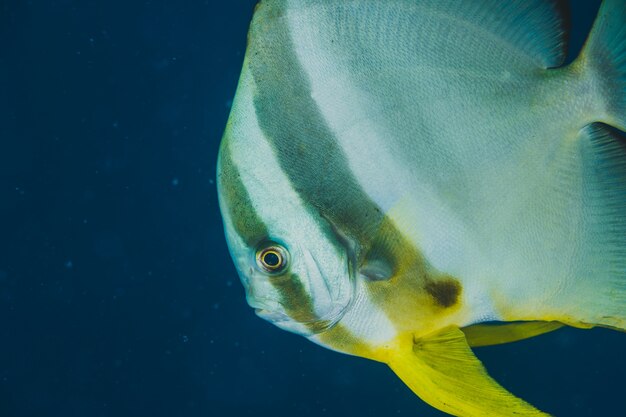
443, 371
497, 334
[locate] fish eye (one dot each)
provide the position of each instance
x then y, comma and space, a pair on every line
272, 259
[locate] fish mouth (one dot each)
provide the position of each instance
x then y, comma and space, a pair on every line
272, 316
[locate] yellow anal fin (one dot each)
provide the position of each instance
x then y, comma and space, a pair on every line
443, 371
497, 334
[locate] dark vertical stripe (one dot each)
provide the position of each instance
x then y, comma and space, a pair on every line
305, 146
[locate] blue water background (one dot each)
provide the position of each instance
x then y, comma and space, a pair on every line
117, 294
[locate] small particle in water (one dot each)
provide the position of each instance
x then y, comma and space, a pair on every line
69, 264
175, 182
185, 338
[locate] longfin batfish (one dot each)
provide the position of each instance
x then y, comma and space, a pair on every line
395, 174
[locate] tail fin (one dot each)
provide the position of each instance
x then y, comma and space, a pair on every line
605, 55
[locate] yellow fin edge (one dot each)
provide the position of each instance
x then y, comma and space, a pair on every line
496, 334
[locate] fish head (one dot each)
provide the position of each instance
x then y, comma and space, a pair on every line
297, 271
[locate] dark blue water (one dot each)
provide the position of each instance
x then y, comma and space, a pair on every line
117, 294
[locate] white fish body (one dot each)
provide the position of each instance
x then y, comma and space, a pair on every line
489, 152
418, 167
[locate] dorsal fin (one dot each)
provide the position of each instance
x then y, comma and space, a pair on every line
534, 28
538, 28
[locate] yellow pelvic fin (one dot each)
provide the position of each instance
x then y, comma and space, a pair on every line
497, 334
443, 371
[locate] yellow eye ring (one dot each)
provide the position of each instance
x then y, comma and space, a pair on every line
272, 259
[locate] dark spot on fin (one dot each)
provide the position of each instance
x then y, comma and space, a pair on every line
445, 292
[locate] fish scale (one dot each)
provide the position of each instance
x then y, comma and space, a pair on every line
428, 166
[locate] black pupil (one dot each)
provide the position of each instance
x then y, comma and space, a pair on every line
271, 259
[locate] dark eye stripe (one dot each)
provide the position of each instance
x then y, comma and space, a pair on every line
234, 198
297, 303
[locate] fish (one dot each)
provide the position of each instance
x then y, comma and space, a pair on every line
408, 179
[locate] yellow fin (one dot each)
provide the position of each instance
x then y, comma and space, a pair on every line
443, 371
497, 334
